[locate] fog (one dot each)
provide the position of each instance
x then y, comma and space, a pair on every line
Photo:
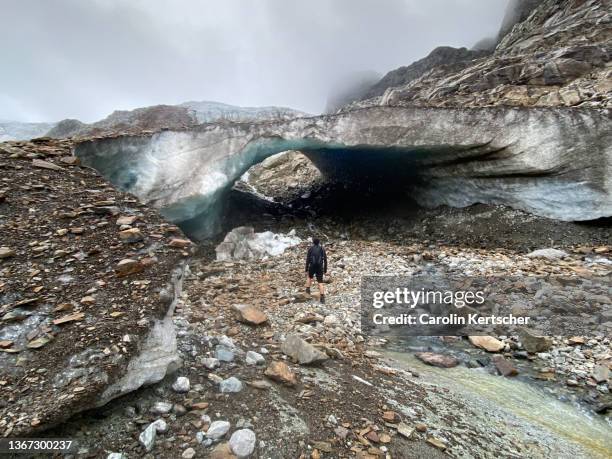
84, 59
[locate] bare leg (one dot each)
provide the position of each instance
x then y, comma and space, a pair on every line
308, 281
321, 288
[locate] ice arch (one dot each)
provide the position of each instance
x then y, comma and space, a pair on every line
551, 162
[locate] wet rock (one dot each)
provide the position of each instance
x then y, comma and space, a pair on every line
250, 314
217, 430
488, 343
254, 358
550, 254
242, 443
181, 385
534, 343
280, 372
504, 366
301, 351
148, 436
230, 385
437, 360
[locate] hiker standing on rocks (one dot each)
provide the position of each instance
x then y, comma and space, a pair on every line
316, 265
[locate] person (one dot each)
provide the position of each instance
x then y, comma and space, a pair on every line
316, 265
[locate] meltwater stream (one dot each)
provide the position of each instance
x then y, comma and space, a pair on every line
519, 400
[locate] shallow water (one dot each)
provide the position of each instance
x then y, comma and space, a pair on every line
525, 401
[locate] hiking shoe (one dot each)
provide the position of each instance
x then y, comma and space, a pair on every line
322, 299
308, 290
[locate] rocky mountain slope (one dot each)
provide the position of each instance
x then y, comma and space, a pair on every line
447, 56
86, 284
558, 56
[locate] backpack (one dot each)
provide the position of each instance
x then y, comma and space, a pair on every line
316, 255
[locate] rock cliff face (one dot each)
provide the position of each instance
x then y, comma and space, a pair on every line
558, 56
447, 56
540, 160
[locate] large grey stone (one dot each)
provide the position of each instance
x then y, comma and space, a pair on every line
242, 443
217, 429
301, 351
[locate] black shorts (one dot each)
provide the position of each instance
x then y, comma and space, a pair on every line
316, 270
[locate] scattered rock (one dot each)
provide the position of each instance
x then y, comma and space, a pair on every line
254, 358
534, 343
242, 443
504, 366
601, 373
301, 351
488, 343
280, 372
223, 354
181, 385
250, 314
126, 220
217, 430
222, 451
210, 362
128, 266
131, 235
437, 360
148, 436
230, 385
161, 408
405, 430
189, 453
437, 443
180, 243
6, 252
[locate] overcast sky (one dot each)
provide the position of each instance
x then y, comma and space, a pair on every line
85, 58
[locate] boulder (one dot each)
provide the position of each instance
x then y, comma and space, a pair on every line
242, 443
250, 314
217, 430
301, 351
488, 343
504, 366
534, 343
437, 360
